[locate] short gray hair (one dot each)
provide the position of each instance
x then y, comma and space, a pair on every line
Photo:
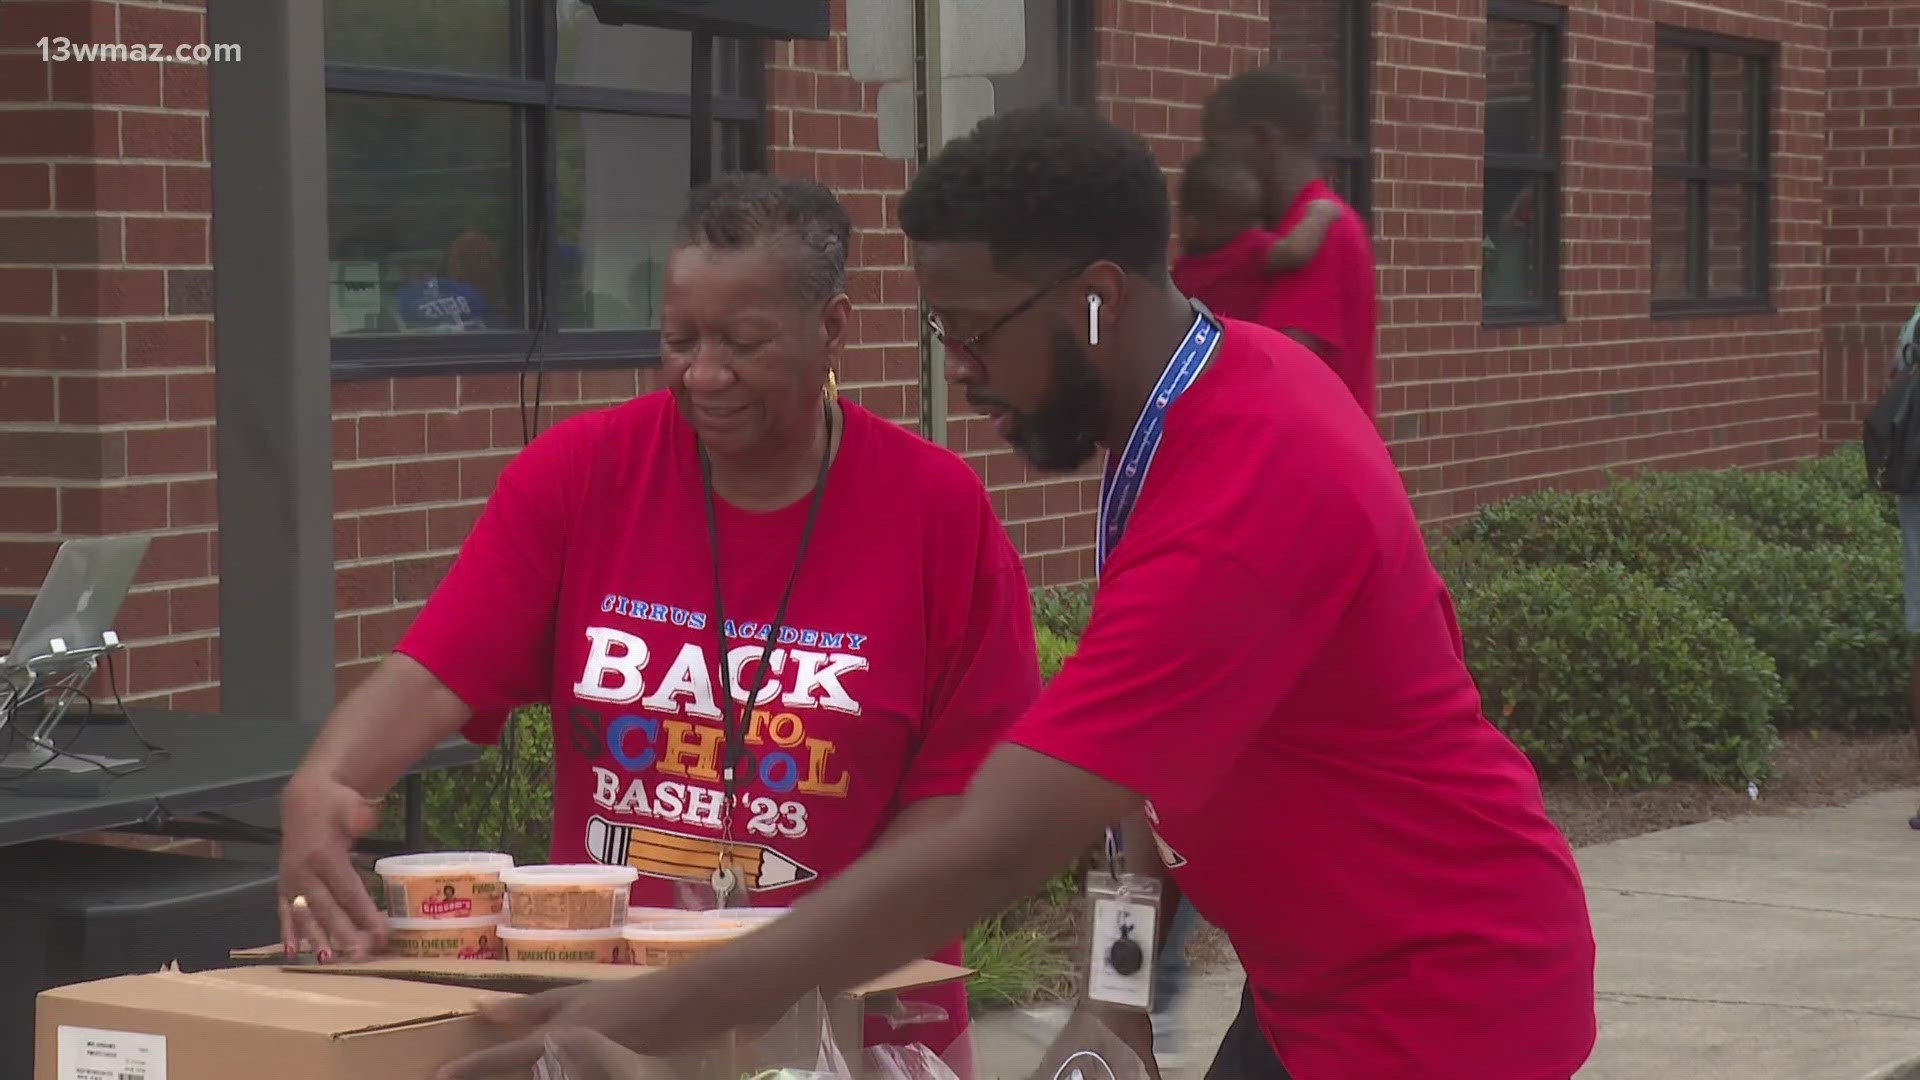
739, 210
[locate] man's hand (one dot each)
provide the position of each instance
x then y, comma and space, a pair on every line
322, 900
1104, 1030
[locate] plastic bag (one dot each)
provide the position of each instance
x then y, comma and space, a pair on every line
1086, 1049
800, 1046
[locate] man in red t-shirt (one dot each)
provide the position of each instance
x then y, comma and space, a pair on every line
1271, 691
1271, 120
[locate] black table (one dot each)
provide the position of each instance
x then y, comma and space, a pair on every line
214, 763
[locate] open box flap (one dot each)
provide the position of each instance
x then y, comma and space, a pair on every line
521, 976
274, 998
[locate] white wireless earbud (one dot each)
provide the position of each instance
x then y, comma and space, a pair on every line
1093, 318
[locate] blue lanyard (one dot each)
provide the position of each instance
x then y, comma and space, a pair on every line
1125, 475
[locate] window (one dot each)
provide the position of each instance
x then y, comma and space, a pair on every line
1059, 66
1329, 44
1711, 173
499, 165
1520, 223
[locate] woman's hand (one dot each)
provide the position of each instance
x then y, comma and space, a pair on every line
322, 899
647, 1014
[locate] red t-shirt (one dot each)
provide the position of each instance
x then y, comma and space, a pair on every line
1233, 280
1333, 296
587, 582
1275, 665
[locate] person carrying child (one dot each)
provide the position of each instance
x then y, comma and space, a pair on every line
1227, 260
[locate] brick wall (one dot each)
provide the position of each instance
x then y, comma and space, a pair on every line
106, 391
1476, 413
1873, 202
106, 388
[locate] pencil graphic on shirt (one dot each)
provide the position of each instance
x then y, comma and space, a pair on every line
658, 853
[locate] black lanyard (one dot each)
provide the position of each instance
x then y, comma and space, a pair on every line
734, 714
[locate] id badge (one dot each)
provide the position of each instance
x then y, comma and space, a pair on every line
1126, 922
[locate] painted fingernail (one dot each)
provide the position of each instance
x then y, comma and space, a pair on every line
290, 952
326, 956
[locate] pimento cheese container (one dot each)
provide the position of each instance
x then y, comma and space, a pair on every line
568, 896
665, 944
602, 946
444, 884
445, 939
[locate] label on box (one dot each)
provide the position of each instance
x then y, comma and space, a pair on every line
93, 1054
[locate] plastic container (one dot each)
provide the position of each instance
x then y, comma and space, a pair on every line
444, 884
567, 896
567, 946
666, 944
637, 915
445, 939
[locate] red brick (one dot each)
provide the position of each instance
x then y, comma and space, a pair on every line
124, 82
112, 399
25, 187
193, 609
29, 509
65, 346
160, 26
169, 664
79, 22
190, 397
173, 343
24, 563
184, 86
189, 188
117, 508
392, 436
102, 186
170, 136
192, 503
383, 536
24, 77
113, 292
168, 241
76, 132
169, 451
60, 240
26, 291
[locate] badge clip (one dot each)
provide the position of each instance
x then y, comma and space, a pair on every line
1126, 925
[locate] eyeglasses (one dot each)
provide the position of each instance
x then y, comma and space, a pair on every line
971, 345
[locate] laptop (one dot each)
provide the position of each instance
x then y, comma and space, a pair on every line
79, 600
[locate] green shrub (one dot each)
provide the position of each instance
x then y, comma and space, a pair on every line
1054, 650
1466, 563
1063, 609
1843, 470
502, 802
1780, 507
1831, 618
1635, 524
1599, 673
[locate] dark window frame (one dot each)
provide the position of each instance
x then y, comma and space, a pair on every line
1761, 58
1549, 85
1352, 147
1079, 72
539, 96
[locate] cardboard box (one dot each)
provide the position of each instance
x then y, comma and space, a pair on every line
387, 1019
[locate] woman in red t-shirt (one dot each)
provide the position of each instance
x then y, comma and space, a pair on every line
774, 629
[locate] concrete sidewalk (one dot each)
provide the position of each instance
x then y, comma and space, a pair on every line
1762, 948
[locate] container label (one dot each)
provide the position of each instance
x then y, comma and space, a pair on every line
93, 1054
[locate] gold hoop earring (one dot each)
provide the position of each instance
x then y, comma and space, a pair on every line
831, 392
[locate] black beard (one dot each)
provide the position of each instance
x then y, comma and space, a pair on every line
1062, 434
